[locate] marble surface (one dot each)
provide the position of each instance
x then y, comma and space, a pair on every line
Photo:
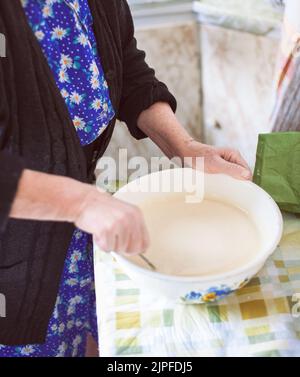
153, 13
174, 53
238, 84
259, 17
148, 4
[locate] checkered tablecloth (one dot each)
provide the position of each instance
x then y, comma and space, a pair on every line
262, 319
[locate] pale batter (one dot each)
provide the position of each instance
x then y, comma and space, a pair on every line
197, 239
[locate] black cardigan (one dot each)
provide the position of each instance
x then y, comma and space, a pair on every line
36, 132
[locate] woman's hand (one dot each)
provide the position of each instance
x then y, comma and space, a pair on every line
161, 125
116, 225
220, 160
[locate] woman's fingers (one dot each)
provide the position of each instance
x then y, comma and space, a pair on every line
222, 160
143, 241
118, 227
220, 165
102, 242
234, 156
139, 238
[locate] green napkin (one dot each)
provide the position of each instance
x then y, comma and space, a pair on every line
277, 168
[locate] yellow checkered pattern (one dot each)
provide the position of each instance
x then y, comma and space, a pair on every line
262, 319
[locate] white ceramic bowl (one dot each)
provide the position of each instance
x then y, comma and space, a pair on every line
243, 194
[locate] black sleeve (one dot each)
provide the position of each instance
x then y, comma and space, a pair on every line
141, 89
11, 169
11, 166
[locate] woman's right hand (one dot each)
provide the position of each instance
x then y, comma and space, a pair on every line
115, 225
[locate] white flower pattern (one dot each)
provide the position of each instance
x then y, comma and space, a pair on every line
66, 61
76, 98
59, 33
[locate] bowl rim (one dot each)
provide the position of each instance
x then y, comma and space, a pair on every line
256, 262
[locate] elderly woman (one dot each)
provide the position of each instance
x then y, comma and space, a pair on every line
72, 69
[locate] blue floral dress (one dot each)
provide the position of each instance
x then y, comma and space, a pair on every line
64, 30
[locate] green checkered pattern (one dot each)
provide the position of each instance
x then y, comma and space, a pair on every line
262, 319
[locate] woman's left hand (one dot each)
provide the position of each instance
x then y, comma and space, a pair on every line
220, 160
161, 125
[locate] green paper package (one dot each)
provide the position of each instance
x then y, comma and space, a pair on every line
277, 168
